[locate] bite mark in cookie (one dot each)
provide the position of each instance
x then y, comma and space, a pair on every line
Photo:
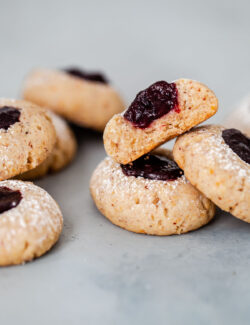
9, 199
238, 142
8, 116
153, 167
134, 133
152, 103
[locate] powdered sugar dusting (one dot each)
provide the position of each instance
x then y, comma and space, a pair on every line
27, 142
143, 205
110, 169
37, 214
218, 150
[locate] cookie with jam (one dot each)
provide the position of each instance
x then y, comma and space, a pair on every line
216, 161
149, 195
157, 114
27, 137
84, 98
30, 222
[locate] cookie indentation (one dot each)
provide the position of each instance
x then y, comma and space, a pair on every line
153, 167
152, 103
91, 76
8, 116
9, 199
238, 142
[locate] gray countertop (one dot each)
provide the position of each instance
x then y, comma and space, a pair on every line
99, 273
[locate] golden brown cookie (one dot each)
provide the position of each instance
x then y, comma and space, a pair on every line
30, 222
240, 117
63, 153
27, 137
82, 98
217, 161
150, 196
158, 114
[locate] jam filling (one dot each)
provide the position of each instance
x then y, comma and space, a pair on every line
97, 77
9, 199
153, 167
238, 142
152, 103
8, 116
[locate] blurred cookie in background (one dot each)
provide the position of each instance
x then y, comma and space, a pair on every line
239, 118
63, 153
83, 98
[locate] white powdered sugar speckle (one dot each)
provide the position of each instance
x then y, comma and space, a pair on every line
111, 170
37, 212
219, 150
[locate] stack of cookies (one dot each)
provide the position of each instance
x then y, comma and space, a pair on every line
159, 192
141, 186
30, 221
36, 141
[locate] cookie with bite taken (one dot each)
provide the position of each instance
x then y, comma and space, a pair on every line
159, 113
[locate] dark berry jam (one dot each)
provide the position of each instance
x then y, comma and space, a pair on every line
152, 103
8, 116
153, 167
95, 76
238, 142
9, 199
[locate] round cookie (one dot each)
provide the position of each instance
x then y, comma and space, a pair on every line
158, 114
27, 137
63, 153
30, 222
217, 161
164, 203
240, 117
82, 98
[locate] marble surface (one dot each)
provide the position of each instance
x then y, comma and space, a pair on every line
99, 273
